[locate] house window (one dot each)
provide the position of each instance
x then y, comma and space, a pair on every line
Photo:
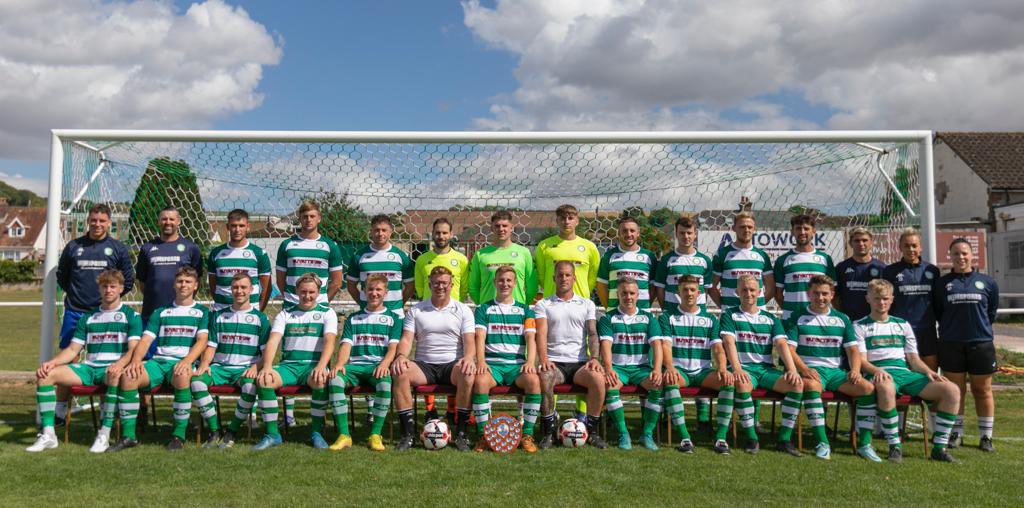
16, 231
10, 254
1017, 255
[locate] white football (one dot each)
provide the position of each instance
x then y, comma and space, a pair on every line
435, 435
573, 433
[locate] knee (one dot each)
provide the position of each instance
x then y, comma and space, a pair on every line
981, 391
884, 389
811, 386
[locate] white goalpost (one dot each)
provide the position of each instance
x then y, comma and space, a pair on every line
882, 180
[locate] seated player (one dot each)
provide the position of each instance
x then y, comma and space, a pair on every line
180, 333
369, 340
631, 356
820, 334
894, 366
564, 356
751, 332
306, 333
237, 337
506, 351
443, 330
109, 334
692, 341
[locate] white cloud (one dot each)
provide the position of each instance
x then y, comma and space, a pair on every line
135, 64
665, 64
19, 181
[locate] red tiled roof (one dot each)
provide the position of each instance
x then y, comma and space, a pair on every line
996, 157
33, 219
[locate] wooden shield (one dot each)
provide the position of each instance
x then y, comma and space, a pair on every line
503, 433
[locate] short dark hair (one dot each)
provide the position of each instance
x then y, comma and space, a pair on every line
685, 222
441, 220
801, 220
501, 215
381, 218
565, 210
960, 239
628, 218
100, 208
238, 214
822, 280
169, 208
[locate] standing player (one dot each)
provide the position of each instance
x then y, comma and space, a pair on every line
80, 262
892, 364
306, 333
368, 343
738, 258
626, 259
819, 335
442, 254
966, 302
566, 246
444, 333
238, 255
501, 252
794, 269
308, 252
109, 335
693, 340
914, 280
158, 263
380, 256
631, 356
752, 332
568, 352
180, 332
854, 274
238, 335
683, 260
506, 352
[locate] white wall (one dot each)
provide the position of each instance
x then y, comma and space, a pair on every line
960, 194
1015, 214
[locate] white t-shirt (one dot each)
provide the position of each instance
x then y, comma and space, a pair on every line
567, 326
438, 332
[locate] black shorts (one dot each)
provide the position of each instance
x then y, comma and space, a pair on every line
976, 358
437, 373
569, 370
927, 341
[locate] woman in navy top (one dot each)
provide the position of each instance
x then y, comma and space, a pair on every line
965, 304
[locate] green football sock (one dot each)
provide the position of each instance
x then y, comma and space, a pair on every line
109, 411
676, 411
745, 410
703, 411
652, 411
205, 403
318, 408
890, 426
244, 406
790, 411
381, 403
481, 411
182, 405
531, 410
723, 415
268, 404
128, 404
46, 401
865, 414
339, 404
613, 405
815, 412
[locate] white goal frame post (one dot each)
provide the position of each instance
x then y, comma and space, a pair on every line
59, 137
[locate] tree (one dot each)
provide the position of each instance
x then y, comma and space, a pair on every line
342, 220
662, 217
167, 182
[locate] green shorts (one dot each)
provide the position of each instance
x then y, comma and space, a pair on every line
159, 371
294, 374
362, 375
697, 377
907, 381
222, 375
89, 375
505, 374
831, 378
762, 376
632, 374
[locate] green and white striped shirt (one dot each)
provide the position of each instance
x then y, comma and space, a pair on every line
631, 335
391, 262
297, 256
754, 334
175, 329
820, 339
303, 332
105, 334
225, 261
370, 334
638, 264
885, 343
730, 262
692, 336
674, 266
506, 327
793, 272
239, 337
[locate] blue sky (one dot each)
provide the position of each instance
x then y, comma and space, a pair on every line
501, 64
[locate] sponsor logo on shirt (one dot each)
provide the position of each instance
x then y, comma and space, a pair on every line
165, 260
964, 298
91, 264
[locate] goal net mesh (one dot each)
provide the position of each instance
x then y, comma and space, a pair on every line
844, 184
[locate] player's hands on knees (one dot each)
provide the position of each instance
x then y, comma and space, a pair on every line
320, 376
545, 366
265, 377
134, 370
183, 368
381, 370
881, 376
936, 377
854, 377
811, 374
44, 369
594, 366
399, 366
742, 376
251, 372
656, 378
467, 366
526, 369
726, 377
611, 378
205, 369
341, 369
671, 376
793, 377
115, 370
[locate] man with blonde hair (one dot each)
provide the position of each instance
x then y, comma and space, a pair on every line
855, 272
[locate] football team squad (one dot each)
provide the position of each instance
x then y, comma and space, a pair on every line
862, 328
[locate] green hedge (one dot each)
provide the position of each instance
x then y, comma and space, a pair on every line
17, 271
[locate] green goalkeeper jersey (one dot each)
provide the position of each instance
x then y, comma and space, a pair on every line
488, 259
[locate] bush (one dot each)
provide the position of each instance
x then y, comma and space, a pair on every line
12, 272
